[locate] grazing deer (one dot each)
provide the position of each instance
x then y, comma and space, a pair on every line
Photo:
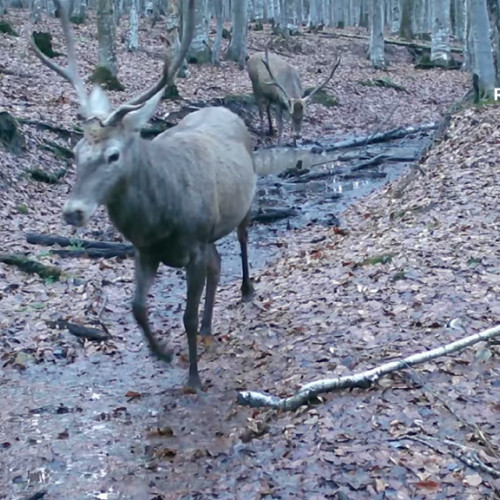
274, 81
172, 197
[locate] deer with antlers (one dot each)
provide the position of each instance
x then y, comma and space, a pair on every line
172, 197
275, 82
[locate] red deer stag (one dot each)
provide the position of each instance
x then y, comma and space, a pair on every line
276, 82
172, 197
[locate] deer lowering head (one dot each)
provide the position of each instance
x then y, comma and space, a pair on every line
172, 197
275, 82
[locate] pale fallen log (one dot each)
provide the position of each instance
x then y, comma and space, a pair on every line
361, 380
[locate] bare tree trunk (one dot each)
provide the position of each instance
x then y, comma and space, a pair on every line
118, 7
106, 35
237, 50
483, 57
218, 36
36, 11
440, 45
299, 9
395, 16
405, 28
79, 12
133, 34
258, 10
467, 44
377, 57
173, 23
494, 10
458, 11
198, 51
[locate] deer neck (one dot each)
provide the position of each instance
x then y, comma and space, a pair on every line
138, 204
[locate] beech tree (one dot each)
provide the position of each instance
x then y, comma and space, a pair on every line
377, 57
482, 50
199, 50
440, 45
237, 50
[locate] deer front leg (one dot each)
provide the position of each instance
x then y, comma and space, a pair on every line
213, 275
247, 290
196, 273
279, 119
261, 118
145, 272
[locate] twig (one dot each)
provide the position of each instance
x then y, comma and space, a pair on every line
361, 380
382, 123
474, 427
471, 459
80, 331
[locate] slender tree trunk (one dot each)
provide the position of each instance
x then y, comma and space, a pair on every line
79, 12
377, 57
395, 16
198, 51
483, 57
218, 35
36, 11
440, 45
467, 44
299, 9
173, 27
405, 28
494, 10
258, 10
106, 35
237, 50
133, 29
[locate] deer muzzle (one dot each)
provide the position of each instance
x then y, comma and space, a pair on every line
77, 213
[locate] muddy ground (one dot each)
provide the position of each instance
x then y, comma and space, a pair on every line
414, 265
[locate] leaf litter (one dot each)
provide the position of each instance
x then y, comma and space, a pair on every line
325, 309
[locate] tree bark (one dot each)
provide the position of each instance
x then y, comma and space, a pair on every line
133, 34
405, 28
483, 57
106, 35
440, 44
377, 57
237, 50
395, 16
199, 51
173, 24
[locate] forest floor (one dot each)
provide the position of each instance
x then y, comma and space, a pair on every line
415, 266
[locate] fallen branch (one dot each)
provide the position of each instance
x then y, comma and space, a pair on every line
80, 331
49, 178
390, 135
268, 215
31, 266
90, 248
361, 380
402, 43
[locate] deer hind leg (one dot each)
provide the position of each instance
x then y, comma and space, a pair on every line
269, 118
213, 275
247, 290
145, 272
196, 273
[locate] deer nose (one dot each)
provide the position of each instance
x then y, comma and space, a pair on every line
74, 217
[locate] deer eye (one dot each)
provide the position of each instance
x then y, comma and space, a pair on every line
114, 156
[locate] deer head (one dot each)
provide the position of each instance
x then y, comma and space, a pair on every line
109, 135
297, 106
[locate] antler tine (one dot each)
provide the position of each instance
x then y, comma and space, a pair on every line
273, 79
169, 70
317, 89
71, 73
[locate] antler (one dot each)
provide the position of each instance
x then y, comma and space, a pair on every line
317, 89
169, 72
71, 72
273, 79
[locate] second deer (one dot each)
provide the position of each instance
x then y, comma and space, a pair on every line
275, 82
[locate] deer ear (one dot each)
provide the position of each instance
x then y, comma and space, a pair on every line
138, 118
98, 103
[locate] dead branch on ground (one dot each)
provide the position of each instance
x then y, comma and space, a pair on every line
361, 380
